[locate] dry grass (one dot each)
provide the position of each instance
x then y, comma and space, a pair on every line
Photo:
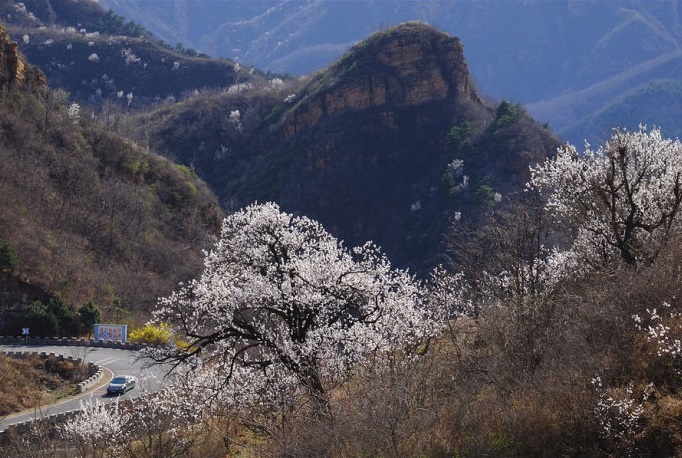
34, 381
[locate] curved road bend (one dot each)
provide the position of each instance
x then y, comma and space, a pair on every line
115, 362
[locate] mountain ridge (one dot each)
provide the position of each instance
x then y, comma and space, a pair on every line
528, 52
385, 145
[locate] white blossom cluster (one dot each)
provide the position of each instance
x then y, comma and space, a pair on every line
282, 302
236, 120
276, 84
247, 386
659, 333
456, 170
129, 57
74, 112
239, 88
456, 167
21, 9
618, 414
172, 416
98, 426
624, 197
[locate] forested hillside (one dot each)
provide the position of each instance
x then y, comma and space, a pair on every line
86, 214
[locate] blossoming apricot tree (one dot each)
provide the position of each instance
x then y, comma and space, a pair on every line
624, 198
282, 302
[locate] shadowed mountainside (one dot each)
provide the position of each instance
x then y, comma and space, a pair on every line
365, 146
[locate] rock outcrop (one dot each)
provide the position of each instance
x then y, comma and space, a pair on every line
408, 65
14, 71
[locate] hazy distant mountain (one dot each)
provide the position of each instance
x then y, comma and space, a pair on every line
566, 60
656, 104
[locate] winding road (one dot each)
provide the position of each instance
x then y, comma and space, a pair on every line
114, 361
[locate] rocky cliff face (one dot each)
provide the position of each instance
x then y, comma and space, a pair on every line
406, 66
14, 71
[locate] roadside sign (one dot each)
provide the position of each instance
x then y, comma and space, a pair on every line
25, 331
111, 332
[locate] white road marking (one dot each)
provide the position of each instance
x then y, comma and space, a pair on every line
105, 361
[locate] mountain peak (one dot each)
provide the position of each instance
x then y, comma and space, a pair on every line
407, 65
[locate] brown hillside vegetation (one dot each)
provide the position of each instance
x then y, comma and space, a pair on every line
33, 381
89, 215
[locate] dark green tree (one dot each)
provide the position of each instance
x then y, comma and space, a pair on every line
88, 315
459, 137
8, 258
40, 320
507, 114
66, 319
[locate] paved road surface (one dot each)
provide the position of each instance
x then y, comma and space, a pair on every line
117, 362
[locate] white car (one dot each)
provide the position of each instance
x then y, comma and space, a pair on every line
121, 383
